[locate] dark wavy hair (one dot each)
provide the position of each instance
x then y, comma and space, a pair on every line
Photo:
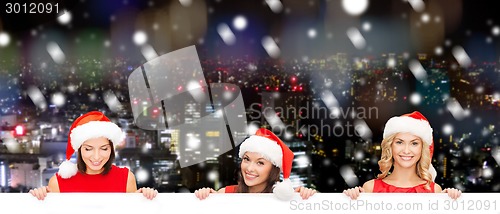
82, 167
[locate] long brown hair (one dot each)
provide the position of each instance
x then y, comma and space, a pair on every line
82, 167
274, 176
423, 164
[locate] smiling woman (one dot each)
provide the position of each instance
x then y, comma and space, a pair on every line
407, 148
93, 136
263, 156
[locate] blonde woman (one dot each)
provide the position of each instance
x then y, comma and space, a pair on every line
407, 148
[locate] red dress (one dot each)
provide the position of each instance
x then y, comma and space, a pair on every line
114, 181
381, 186
230, 189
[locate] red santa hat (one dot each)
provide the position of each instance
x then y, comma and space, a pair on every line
266, 143
416, 124
91, 125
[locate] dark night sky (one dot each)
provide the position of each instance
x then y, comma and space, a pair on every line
390, 32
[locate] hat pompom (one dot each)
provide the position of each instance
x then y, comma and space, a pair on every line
67, 169
284, 190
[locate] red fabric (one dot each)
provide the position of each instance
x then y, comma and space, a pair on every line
230, 189
287, 161
383, 187
114, 181
90, 116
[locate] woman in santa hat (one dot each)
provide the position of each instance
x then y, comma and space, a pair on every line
263, 157
94, 137
407, 148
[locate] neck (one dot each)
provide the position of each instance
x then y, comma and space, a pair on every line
256, 189
93, 172
405, 175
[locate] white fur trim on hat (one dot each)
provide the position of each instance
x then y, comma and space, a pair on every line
268, 148
433, 172
284, 190
67, 169
95, 129
404, 124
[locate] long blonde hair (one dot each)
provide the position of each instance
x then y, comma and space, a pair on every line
423, 164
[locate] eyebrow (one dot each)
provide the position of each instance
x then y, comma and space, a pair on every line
93, 147
416, 139
257, 158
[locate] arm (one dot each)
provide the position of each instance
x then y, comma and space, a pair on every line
131, 183
53, 184
368, 186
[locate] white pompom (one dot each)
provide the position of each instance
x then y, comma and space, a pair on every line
433, 172
67, 169
284, 190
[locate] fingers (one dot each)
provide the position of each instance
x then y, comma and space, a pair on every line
353, 193
149, 193
203, 192
453, 193
40, 193
305, 193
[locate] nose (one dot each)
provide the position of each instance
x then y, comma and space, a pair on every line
95, 154
407, 149
250, 167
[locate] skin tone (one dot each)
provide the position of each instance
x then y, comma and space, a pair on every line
255, 170
95, 153
406, 152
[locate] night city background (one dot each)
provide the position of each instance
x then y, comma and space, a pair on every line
331, 73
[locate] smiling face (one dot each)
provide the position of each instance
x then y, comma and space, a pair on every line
255, 171
95, 153
406, 150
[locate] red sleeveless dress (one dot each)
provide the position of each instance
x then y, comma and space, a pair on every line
114, 181
381, 187
230, 189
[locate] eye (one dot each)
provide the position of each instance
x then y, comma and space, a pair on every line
104, 149
399, 142
260, 163
246, 158
414, 143
88, 149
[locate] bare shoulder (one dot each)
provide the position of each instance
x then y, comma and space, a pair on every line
222, 190
130, 177
437, 188
131, 183
53, 184
130, 174
368, 186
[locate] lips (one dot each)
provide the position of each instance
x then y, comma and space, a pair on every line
406, 158
96, 163
250, 176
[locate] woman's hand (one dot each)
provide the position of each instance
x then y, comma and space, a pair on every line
353, 193
305, 193
452, 192
149, 193
204, 192
40, 192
